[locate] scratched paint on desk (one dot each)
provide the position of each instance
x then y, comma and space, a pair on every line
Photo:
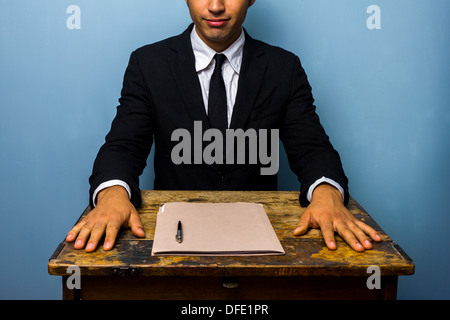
346, 255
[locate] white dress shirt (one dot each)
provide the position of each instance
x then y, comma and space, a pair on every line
204, 66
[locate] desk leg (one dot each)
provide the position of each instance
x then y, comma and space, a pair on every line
68, 294
388, 288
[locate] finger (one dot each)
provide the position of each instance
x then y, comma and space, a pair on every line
328, 235
369, 230
112, 229
360, 235
136, 225
96, 234
347, 234
83, 235
303, 224
73, 233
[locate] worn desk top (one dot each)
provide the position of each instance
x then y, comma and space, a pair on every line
305, 256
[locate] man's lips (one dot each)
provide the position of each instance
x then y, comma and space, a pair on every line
216, 22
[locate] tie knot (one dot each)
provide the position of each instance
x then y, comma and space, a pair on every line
220, 58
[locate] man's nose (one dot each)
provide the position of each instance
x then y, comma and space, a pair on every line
216, 6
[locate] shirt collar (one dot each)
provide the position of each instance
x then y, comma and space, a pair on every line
204, 54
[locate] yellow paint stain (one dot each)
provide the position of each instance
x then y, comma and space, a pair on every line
167, 260
345, 254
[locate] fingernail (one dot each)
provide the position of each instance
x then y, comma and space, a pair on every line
89, 246
367, 243
359, 246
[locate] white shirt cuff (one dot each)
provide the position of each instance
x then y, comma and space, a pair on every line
108, 184
322, 180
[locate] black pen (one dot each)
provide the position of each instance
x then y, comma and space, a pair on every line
179, 235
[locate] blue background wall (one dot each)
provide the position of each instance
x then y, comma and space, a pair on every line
383, 97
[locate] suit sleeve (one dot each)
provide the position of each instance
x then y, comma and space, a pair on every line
124, 154
310, 153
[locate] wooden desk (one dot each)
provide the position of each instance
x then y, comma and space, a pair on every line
308, 270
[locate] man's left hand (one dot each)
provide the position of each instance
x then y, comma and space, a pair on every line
327, 212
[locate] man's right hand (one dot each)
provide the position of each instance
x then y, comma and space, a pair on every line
113, 211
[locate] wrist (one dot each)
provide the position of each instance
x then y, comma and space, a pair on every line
326, 191
114, 191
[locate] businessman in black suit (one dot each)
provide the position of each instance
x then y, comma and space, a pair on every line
173, 84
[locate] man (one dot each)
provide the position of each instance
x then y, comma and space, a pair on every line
167, 86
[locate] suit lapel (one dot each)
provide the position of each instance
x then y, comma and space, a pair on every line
250, 80
183, 69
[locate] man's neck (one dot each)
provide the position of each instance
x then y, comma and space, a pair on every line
218, 46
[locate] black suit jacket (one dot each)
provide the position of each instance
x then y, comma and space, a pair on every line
161, 93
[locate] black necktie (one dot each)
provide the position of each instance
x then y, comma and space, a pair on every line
217, 102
